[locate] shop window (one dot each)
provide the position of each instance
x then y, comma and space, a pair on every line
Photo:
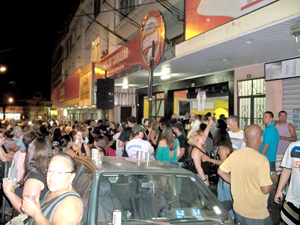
251, 102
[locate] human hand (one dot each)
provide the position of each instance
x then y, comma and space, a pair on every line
204, 158
30, 207
210, 119
206, 183
281, 138
278, 197
8, 184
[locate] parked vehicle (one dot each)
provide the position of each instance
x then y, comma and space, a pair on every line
145, 192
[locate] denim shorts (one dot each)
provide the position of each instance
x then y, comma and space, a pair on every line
247, 221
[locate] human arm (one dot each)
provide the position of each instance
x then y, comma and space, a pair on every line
61, 216
265, 149
31, 187
292, 131
206, 131
87, 150
222, 153
179, 152
196, 156
266, 189
284, 177
5, 157
225, 176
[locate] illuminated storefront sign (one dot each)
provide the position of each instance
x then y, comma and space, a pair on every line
138, 50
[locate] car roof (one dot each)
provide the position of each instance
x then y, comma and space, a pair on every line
117, 164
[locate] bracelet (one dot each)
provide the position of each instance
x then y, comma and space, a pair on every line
7, 192
205, 180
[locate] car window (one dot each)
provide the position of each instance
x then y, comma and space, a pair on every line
83, 185
83, 178
155, 197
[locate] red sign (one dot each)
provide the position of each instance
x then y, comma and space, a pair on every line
204, 15
67, 90
139, 49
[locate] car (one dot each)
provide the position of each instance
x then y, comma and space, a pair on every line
146, 192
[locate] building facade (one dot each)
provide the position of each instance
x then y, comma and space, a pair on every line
207, 46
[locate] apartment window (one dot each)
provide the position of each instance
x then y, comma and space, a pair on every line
105, 42
126, 6
97, 4
96, 50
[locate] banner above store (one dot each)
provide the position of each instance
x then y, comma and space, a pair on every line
139, 49
204, 15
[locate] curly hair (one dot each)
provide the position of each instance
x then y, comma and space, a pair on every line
195, 136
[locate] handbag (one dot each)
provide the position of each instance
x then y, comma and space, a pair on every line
18, 220
188, 164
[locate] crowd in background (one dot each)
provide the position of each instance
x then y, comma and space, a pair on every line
200, 143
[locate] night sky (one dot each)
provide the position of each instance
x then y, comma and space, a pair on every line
28, 32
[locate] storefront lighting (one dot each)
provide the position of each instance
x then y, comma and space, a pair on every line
93, 106
84, 107
165, 77
78, 107
68, 108
90, 107
72, 108
125, 86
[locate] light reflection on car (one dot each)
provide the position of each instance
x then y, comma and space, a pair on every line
145, 192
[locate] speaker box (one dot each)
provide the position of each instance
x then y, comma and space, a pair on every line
105, 93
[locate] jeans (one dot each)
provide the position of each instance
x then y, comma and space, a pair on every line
247, 221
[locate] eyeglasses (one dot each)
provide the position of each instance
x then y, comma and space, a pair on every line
57, 172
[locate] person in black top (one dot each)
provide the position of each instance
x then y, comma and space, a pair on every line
125, 135
177, 128
34, 182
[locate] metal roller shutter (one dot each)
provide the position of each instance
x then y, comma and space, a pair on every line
291, 102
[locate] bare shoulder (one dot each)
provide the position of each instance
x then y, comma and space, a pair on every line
69, 206
291, 126
162, 143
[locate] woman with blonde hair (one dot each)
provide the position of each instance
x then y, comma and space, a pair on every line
197, 140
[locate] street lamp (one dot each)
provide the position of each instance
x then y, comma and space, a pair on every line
10, 100
2, 69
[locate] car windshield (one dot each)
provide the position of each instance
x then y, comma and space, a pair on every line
156, 198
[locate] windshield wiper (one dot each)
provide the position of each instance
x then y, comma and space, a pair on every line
221, 221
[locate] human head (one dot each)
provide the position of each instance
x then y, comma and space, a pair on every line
43, 131
112, 125
2, 139
167, 134
173, 121
85, 132
163, 121
78, 136
197, 138
131, 121
93, 123
38, 156
221, 124
253, 136
12, 122
56, 134
65, 142
232, 123
137, 131
193, 117
61, 172
28, 137
222, 117
17, 131
187, 115
268, 118
282, 116
102, 141
177, 127
174, 116
222, 138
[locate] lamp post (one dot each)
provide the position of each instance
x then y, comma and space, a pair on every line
2, 69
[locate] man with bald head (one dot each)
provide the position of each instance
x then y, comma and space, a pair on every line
248, 172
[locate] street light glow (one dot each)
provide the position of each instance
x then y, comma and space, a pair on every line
10, 100
2, 69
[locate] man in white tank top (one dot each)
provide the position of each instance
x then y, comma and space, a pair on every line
287, 134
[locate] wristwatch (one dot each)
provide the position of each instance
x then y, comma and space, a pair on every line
205, 180
284, 138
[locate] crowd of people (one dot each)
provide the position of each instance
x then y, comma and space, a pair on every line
245, 161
